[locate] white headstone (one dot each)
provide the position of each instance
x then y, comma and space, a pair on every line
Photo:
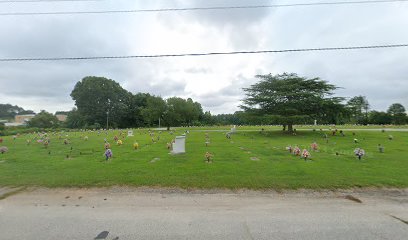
234, 129
130, 133
315, 122
179, 146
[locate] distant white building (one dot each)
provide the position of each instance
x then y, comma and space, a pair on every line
20, 120
61, 117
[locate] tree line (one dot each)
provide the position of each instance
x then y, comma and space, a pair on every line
284, 99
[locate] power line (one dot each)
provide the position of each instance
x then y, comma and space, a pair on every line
39, 1
203, 8
200, 54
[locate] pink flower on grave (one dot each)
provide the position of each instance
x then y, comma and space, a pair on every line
305, 154
296, 151
289, 148
314, 146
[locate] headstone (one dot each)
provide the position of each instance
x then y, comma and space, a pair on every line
179, 145
234, 129
315, 122
130, 133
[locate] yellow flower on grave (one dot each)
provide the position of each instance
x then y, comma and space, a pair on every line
135, 145
119, 142
208, 156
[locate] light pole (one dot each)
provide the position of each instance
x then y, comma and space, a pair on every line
107, 119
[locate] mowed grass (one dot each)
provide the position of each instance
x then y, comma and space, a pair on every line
232, 167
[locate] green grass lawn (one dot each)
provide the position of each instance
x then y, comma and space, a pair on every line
232, 167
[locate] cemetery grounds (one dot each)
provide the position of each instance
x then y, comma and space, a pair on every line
252, 158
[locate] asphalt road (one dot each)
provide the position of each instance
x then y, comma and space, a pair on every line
125, 213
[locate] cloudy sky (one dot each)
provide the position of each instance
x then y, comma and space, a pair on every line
214, 81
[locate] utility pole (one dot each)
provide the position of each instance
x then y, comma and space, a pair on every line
107, 119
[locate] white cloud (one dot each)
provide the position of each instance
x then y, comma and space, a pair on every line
214, 81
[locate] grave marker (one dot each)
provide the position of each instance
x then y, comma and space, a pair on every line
179, 145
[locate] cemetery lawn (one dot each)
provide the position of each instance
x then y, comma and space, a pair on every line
250, 159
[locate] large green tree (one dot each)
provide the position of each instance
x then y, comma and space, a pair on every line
398, 114
290, 98
44, 120
101, 101
74, 119
375, 117
154, 110
358, 107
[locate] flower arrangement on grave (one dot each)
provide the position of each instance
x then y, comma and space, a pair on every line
46, 143
116, 138
3, 149
289, 148
208, 157
359, 152
355, 140
390, 137
305, 154
28, 141
296, 151
169, 146
108, 154
314, 146
86, 138
119, 142
1, 140
14, 137
66, 142
135, 145
107, 145
40, 141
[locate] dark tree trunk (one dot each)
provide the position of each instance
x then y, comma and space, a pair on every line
290, 127
284, 127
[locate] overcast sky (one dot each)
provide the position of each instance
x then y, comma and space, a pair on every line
215, 81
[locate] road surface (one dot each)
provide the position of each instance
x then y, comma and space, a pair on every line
145, 213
